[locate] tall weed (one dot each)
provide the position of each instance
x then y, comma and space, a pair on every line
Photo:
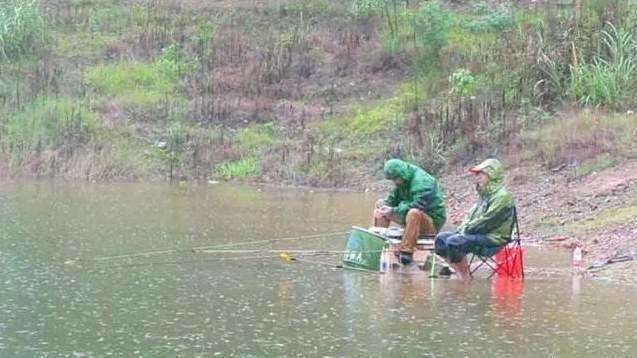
22, 28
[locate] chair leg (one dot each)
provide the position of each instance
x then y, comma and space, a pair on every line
488, 261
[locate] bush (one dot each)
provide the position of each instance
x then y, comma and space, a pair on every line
462, 83
608, 80
49, 125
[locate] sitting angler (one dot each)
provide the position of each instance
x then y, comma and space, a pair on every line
417, 202
488, 225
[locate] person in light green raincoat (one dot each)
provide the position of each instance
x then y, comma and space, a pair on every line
488, 225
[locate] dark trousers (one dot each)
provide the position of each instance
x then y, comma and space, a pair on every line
453, 245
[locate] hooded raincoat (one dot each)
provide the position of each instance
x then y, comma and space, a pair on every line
492, 215
419, 190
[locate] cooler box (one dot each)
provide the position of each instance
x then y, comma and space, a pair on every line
363, 249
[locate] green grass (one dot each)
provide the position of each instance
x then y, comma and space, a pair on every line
257, 137
610, 78
244, 168
382, 118
49, 125
130, 78
146, 91
85, 44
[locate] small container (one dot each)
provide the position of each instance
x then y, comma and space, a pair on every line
576, 259
384, 260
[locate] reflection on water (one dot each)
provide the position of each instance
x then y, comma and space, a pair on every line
57, 299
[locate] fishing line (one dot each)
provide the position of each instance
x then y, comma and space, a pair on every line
268, 240
199, 248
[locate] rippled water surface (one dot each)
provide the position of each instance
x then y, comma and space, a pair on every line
109, 270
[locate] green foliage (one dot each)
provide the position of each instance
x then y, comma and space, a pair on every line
127, 78
49, 125
609, 79
388, 8
147, 91
431, 30
462, 83
247, 167
175, 63
131, 78
514, 61
257, 137
84, 44
108, 17
388, 115
488, 20
22, 28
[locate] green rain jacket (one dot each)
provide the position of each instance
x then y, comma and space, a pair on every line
419, 190
492, 215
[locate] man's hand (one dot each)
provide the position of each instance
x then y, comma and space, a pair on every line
382, 212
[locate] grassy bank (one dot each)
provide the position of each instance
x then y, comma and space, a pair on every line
314, 92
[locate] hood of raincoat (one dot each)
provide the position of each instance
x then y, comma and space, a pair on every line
396, 168
495, 170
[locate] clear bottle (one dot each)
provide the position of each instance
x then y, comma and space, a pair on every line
384, 260
576, 259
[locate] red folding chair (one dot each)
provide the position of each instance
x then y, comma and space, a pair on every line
505, 261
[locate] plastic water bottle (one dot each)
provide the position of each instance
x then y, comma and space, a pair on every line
384, 260
576, 260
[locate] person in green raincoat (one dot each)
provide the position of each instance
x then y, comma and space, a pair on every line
417, 202
488, 225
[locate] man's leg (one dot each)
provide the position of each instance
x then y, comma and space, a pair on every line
462, 268
440, 244
453, 248
417, 223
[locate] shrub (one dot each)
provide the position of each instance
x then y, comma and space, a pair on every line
462, 83
49, 125
608, 80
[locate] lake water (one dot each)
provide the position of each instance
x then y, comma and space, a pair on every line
109, 270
